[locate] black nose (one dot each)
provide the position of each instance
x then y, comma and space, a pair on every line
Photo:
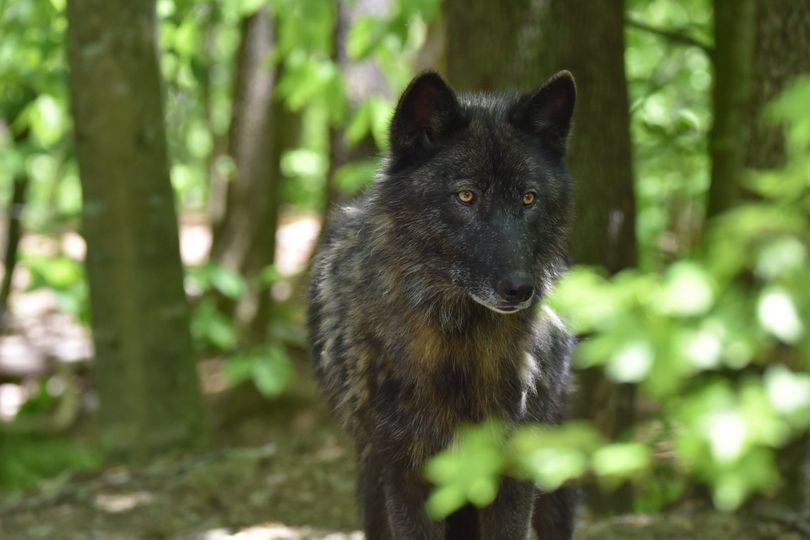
516, 287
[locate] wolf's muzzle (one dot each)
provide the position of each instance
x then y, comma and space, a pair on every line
516, 287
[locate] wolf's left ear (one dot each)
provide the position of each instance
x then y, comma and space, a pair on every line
427, 113
547, 111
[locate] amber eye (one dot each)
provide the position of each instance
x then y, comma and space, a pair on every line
528, 198
466, 196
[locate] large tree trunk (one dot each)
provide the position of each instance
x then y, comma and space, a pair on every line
524, 44
781, 53
145, 372
733, 54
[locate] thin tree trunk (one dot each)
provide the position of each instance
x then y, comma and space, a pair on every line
528, 41
262, 129
13, 235
145, 373
19, 191
285, 133
249, 143
363, 79
218, 181
733, 55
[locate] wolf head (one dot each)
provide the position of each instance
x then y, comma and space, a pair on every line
476, 188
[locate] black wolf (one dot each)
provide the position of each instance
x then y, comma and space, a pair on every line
424, 301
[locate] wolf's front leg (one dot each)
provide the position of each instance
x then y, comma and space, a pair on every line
509, 515
371, 497
553, 517
405, 496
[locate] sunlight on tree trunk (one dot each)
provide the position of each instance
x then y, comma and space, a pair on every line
145, 372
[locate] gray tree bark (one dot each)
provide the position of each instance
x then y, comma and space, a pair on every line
147, 382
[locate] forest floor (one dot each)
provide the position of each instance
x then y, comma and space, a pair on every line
281, 470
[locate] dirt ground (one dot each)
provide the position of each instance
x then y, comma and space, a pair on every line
281, 470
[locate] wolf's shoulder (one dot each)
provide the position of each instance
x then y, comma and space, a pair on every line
550, 326
553, 342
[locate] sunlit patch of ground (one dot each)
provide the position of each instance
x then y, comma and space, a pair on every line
278, 531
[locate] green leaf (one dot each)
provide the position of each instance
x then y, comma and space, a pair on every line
364, 35
468, 471
355, 175
687, 290
444, 501
272, 371
229, 283
777, 314
303, 162
360, 123
269, 275
621, 459
47, 120
788, 392
209, 327
268, 367
552, 455
632, 363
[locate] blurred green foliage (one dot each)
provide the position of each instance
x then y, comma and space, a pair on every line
669, 86
26, 459
718, 341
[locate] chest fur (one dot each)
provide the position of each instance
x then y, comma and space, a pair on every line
459, 379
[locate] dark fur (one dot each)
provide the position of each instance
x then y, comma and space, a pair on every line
403, 352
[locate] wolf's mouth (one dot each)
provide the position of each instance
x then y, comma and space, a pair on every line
504, 309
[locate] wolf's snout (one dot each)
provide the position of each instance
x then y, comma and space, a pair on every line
516, 287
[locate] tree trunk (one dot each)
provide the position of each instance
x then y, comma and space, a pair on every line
527, 42
781, 53
19, 189
14, 223
145, 373
262, 129
248, 143
733, 54
285, 132
363, 79
781, 45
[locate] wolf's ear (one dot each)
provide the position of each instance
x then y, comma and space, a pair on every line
547, 111
427, 113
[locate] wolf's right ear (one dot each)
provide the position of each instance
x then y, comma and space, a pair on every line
427, 113
547, 111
